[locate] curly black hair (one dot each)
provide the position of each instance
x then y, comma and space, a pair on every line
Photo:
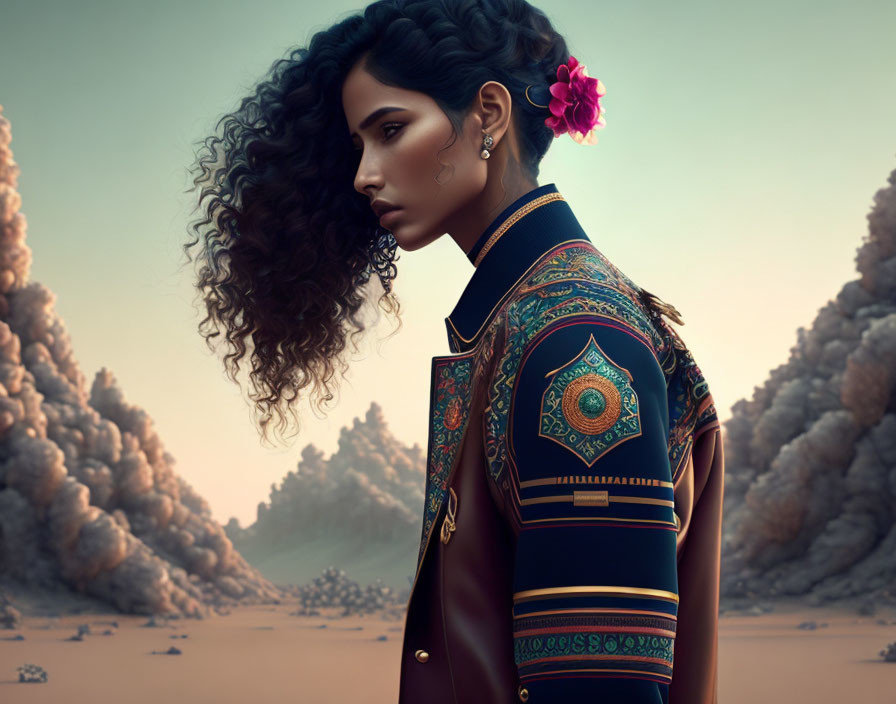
290, 249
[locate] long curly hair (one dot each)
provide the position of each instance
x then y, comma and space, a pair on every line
289, 250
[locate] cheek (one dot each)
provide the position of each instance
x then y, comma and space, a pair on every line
426, 158
421, 159
419, 163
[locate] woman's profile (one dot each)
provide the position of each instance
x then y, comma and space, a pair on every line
569, 549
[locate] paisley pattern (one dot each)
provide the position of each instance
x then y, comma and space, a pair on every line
590, 406
451, 387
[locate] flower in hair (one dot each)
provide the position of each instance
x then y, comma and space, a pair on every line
575, 103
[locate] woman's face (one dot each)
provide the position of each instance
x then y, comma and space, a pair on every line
400, 158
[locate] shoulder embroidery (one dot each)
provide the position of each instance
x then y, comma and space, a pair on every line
575, 281
589, 406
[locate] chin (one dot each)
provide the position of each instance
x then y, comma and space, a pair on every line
412, 242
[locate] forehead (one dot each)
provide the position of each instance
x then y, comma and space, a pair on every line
362, 93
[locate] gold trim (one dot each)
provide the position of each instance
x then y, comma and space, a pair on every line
600, 669
513, 218
597, 519
513, 287
595, 498
546, 500
528, 594
595, 479
642, 500
449, 523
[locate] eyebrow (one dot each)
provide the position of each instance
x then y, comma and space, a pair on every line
374, 116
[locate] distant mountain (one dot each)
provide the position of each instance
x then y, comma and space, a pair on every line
810, 491
359, 509
88, 497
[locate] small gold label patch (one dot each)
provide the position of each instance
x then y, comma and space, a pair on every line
590, 498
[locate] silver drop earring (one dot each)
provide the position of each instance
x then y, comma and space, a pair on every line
487, 143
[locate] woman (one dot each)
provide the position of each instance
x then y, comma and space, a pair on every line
572, 517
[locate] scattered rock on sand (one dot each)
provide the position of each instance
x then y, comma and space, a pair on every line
29, 672
333, 589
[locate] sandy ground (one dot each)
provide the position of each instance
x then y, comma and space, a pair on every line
262, 654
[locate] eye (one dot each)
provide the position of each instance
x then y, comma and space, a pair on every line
394, 126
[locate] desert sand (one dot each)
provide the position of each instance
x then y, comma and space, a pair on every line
263, 654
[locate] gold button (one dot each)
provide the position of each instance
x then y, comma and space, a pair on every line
421, 655
524, 694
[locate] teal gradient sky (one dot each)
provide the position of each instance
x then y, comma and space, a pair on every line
744, 143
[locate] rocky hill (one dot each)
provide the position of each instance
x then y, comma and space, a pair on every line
360, 509
810, 492
89, 499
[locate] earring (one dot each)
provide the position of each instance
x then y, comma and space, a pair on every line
487, 143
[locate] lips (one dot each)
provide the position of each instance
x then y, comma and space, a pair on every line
388, 216
382, 207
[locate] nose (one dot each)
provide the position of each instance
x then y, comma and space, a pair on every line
368, 175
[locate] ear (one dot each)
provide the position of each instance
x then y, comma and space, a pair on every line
494, 106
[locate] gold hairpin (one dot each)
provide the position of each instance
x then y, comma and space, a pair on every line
530, 99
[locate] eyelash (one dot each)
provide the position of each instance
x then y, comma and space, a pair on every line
397, 125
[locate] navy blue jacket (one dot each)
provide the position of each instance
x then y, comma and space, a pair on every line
574, 486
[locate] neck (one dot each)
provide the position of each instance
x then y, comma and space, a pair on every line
476, 216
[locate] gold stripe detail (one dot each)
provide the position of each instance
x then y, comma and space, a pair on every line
512, 218
642, 500
596, 519
528, 594
595, 479
592, 669
595, 498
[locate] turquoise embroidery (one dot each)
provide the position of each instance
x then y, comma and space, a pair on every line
590, 406
575, 280
607, 643
449, 411
611, 652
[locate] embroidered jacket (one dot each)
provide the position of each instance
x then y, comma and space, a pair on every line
572, 518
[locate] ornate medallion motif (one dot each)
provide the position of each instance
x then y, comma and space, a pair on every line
575, 280
590, 405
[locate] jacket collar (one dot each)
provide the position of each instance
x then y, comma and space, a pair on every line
516, 239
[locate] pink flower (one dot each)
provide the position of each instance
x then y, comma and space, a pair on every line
575, 105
